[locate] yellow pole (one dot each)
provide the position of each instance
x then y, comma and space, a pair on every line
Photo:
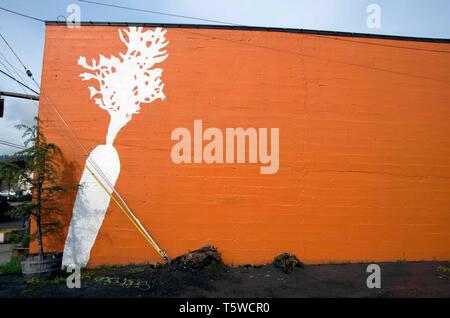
133, 219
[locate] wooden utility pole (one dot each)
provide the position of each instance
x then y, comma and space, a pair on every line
15, 95
19, 95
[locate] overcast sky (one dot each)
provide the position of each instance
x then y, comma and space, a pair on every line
422, 18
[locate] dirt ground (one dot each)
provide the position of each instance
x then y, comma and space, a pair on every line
400, 279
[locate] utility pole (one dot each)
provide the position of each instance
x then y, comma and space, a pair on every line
19, 95
15, 95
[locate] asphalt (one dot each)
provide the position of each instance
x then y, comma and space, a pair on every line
399, 279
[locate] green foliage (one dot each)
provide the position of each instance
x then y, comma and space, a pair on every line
58, 280
5, 157
38, 167
35, 283
87, 273
287, 262
443, 269
8, 173
105, 267
137, 270
12, 267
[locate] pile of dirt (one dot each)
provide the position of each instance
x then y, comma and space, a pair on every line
287, 262
197, 259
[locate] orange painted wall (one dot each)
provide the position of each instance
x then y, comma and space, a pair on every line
364, 146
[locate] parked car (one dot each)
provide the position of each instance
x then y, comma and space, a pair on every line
4, 193
20, 196
7, 194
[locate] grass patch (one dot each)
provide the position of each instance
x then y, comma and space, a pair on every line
58, 280
105, 267
35, 283
87, 273
443, 269
12, 267
402, 261
137, 270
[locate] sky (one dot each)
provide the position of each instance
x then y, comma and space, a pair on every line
418, 18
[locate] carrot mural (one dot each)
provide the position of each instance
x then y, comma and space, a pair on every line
124, 83
331, 147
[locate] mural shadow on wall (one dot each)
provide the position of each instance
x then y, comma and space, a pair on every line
57, 218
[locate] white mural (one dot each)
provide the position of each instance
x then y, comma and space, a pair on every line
123, 84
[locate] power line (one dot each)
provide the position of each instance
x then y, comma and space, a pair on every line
10, 144
119, 200
27, 71
190, 17
8, 70
211, 20
15, 69
9, 46
314, 56
14, 79
22, 14
93, 163
247, 26
337, 38
5, 143
158, 12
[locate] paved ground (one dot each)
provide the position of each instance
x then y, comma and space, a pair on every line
414, 279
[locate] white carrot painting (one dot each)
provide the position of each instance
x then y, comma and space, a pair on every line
122, 84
